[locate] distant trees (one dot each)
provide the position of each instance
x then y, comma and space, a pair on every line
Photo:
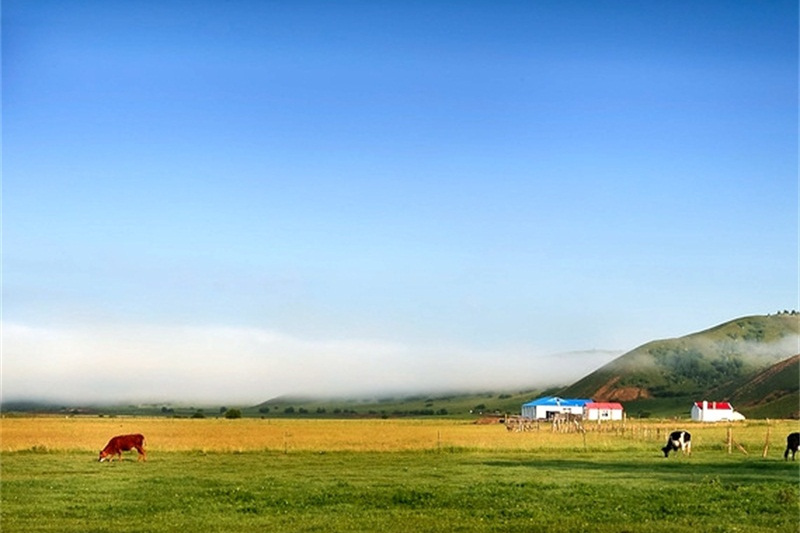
689, 365
338, 412
233, 413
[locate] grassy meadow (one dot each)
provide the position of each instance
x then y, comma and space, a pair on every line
393, 475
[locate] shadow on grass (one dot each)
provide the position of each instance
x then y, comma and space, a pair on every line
745, 470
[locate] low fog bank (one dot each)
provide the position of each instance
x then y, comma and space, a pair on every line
759, 353
754, 353
249, 365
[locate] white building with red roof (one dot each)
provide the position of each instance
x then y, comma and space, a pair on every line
602, 411
714, 412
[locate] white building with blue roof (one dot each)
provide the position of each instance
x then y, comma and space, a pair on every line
548, 406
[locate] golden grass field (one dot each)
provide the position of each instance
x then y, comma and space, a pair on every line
242, 435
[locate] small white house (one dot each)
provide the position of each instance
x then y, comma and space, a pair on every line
714, 412
549, 406
602, 411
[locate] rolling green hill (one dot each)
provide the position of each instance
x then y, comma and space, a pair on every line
771, 393
664, 377
747, 361
454, 405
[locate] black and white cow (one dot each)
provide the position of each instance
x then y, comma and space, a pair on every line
678, 440
792, 443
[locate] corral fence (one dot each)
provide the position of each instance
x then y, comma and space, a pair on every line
570, 423
657, 431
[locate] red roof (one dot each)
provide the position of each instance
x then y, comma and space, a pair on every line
604, 405
724, 406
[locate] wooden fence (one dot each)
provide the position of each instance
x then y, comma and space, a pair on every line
657, 431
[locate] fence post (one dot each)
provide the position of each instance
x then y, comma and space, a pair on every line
766, 442
730, 439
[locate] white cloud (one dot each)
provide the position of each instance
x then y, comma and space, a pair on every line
231, 364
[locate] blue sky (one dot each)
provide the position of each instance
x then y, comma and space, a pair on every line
235, 200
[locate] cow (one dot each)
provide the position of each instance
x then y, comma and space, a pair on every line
678, 440
123, 443
792, 443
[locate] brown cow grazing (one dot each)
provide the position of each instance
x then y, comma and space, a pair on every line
123, 443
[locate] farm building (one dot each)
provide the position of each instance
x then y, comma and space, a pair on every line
602, 411
547, 407
714, 412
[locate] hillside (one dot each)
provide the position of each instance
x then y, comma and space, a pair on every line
771, 393
454, 405
665, 376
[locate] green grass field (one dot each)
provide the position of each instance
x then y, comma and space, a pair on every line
401, 476
399, 491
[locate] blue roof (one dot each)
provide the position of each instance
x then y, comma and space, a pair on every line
555, 400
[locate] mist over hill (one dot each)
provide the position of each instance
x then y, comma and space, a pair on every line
751, 361
714, 364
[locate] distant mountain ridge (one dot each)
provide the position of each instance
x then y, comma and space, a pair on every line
748, 361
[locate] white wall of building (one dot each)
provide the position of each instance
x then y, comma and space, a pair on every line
710, 412
603, 414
